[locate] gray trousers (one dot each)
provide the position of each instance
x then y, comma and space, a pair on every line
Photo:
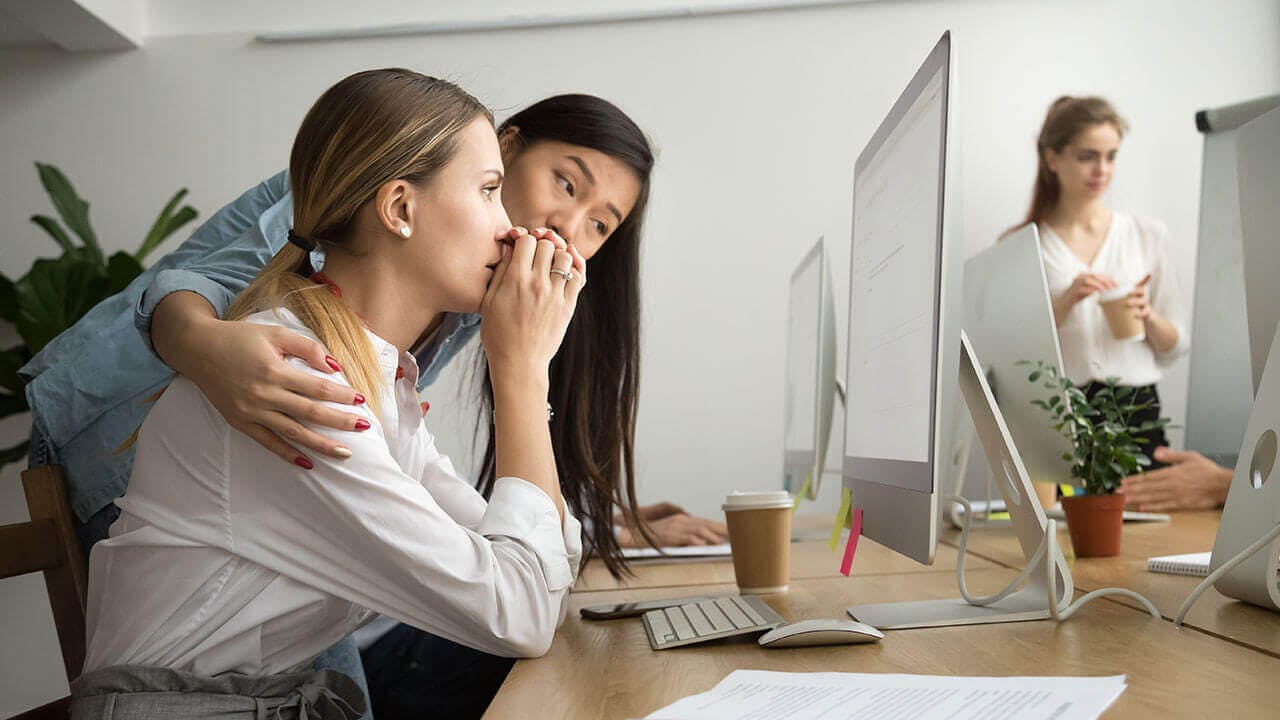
138, 692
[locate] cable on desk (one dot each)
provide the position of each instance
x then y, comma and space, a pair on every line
1230, 565
1059, 610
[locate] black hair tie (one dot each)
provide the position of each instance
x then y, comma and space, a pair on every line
305, 243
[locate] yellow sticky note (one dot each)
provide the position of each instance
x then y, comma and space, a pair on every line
804, 493
842, 516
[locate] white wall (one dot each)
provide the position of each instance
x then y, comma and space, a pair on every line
758, 119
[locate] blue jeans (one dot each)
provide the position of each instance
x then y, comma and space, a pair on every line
342, 656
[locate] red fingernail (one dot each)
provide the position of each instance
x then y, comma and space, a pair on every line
333, 363
362, 424
304, 463
359, 399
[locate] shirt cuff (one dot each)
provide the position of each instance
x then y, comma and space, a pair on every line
520, 510
171, 281
1180, 348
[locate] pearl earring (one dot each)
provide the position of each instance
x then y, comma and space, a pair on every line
405, 231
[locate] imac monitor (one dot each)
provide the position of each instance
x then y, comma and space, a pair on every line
909, 360
904, 307
1230, 329
1008, 317
1258, 176
811, 374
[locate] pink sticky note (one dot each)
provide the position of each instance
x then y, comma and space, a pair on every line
855, 530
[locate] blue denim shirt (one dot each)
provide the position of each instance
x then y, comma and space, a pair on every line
88, 388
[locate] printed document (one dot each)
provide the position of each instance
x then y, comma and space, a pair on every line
762, 695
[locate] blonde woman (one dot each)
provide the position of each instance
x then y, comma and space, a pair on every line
227, 574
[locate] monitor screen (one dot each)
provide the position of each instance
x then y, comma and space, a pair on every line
803, 337
894, 283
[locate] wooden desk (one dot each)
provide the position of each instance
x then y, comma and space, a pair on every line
607, 670
809, 559
1213, 613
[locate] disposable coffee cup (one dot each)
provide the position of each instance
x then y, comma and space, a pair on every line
1125, 324
760, 537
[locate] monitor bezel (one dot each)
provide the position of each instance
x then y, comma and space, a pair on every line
905, 474
800, 460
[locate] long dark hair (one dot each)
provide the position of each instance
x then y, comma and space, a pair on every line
595, 376
1066, 118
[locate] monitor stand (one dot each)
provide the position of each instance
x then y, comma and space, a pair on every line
1026, 516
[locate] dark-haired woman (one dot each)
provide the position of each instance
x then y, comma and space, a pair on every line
1090, 249
575, 164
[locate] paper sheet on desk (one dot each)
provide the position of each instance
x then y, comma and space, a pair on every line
762, 695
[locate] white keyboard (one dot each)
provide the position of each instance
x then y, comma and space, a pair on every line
709, 619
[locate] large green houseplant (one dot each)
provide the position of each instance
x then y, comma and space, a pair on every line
1106, 447
56, 292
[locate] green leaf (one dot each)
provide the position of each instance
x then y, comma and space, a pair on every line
8, 300
1066, 457
122, 268
10, 361
12, 404
55, 230
73, 208
16, 453
1034, 376
56, 293
1053, 401
1040, 404
166, 223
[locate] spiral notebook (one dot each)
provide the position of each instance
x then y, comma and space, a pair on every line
1196, 564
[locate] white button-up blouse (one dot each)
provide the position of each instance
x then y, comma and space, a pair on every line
226, 559
1132, 248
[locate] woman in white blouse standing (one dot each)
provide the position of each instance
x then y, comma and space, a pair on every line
1090, 249
226, 573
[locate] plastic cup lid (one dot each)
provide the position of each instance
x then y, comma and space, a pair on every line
1115, 294
757, 500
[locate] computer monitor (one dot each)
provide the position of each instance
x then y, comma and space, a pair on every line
1252, 509
904, 312
905, 368
1258, 175
1223, 364
811, 374
1008, 316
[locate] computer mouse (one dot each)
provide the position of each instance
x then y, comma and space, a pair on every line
806, 633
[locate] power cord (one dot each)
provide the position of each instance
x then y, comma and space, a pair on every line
1058, 610
1230, 565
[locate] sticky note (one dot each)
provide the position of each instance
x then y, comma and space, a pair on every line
846, 499
851, 547
804, 493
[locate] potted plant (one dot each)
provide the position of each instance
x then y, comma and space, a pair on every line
1106, 449
56, 292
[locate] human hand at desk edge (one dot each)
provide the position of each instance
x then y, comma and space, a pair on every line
1190, 482
670, 526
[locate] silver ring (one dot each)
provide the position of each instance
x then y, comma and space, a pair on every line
566, 274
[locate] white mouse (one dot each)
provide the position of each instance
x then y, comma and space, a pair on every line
820, 632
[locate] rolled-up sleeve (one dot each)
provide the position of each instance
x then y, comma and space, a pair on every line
234, 245
167, 282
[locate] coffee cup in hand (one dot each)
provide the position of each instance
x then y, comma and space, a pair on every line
1124, 322
760, 537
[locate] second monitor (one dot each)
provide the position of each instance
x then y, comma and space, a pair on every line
811, 374
1009, 319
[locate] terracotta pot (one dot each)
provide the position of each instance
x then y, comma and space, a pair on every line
1095, 522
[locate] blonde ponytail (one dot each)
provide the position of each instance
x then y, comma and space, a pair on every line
282, 284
